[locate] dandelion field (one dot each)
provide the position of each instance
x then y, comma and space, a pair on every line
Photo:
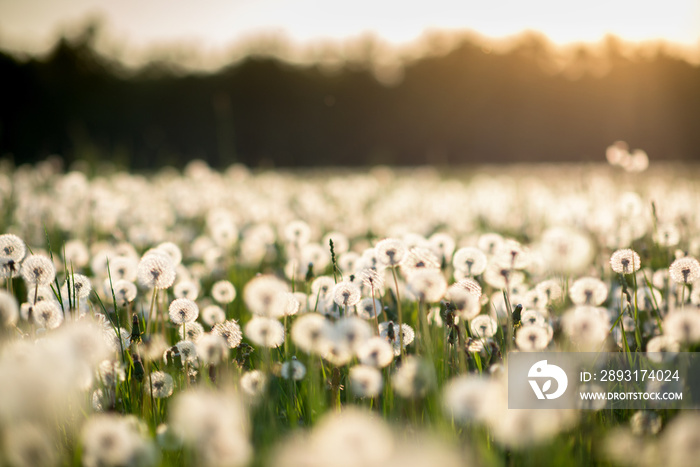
335, 318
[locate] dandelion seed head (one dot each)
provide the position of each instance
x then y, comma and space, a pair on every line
160, 384
9, 309
586, 330
183, 310
352, 331
172, 250
489, 243
293, 369
47, 314
186, 289
253, 384
348, 262
266, 296
37, 269
470, 260
645, 422
685, 270
223, 292
212, 349
588, 291
365, 381
369, 308
346, 294
419, 259
551, 289
341, 244
466, 305
468, 398
230, 331
372, 280
483, 326
265, 332
376, 352
683, 326
77, 285
414, 378
310, 331
191, 331
124, 291
156, 270
12, 248
428, 285
123, 267
390, 332
512, 255
532, 338
443, 245
29, 445
212, 315
390, 252
667, 235
625, 261
297, 233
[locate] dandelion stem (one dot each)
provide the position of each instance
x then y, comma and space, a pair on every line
398, 307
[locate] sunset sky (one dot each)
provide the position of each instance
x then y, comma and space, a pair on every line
214, 25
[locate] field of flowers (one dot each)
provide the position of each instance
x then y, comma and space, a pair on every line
335, 318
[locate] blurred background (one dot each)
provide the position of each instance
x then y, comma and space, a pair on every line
317, 83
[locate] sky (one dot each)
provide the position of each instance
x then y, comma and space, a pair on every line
137, 27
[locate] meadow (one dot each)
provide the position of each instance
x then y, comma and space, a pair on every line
336, 317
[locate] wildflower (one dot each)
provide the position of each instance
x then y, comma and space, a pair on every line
662, 348
310, 331
466, 305
414, 378
428, 285
293, 369
390, 332
38, 270
336, 351
117, 340
667, 235
365, 381
159, 384
230, 331
78, 286
124, 291
214, 424
551, 289
348, 261
297, 233
470, 260
123, 267
47, 314
535, 299
156, 270
419, 259
253, 384
372, 280
376, 352
499, 277
470, 285
112, 440
588, 291
587, 330
172, 250
369, 308
467, 398
223, 292
532, 318
212, 349
266, 296
443, 245
512, 255
625, 261
265, 332
346, 294
152, 347
390, 252
532, 338
183, 310
9, 310
111, 373
645, 422
212, 315
12, 251
29, 445
683, 326
186, 289
352, 331
191, 331
685, 270
483, 326
489, 243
